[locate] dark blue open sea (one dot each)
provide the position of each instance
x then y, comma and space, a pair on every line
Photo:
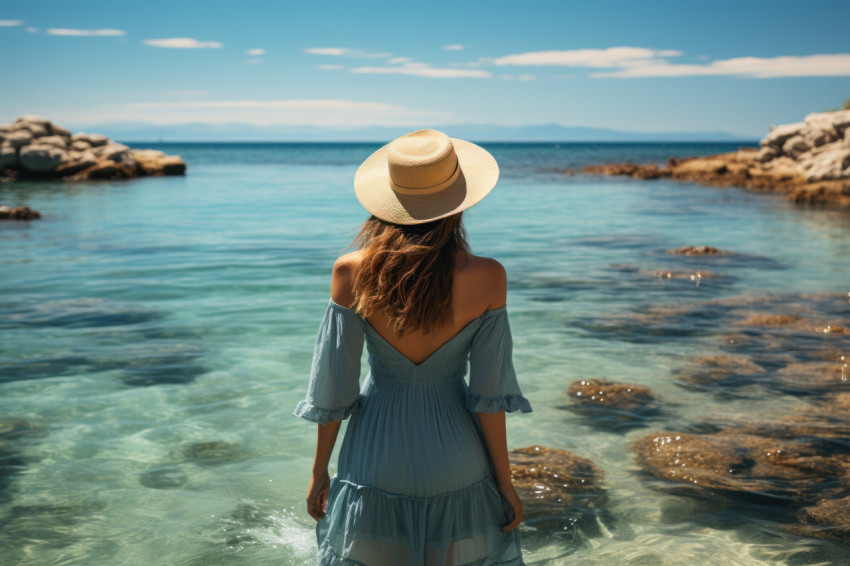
156, 334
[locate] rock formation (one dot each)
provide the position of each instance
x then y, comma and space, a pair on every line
18, 213
554, 482
34, 147
808, 161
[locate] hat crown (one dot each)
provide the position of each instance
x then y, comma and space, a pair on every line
421, 160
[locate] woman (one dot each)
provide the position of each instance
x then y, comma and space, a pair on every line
423, 475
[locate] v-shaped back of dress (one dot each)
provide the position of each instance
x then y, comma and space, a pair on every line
446, 363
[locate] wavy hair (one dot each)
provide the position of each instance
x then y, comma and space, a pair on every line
406, 271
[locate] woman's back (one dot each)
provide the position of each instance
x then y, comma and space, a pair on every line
478, 284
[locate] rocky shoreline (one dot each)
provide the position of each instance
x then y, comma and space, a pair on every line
33, 147
808, 161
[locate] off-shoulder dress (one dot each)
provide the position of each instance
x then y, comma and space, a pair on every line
414, 483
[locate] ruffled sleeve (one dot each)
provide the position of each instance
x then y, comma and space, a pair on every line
493, 383
334, 388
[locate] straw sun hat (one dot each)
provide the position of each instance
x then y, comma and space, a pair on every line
423, 176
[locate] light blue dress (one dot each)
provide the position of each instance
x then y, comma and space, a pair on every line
415, 484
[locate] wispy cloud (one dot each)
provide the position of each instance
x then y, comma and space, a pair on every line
32, 30
837, 65
86, 32
424, 70
315, 112
183, 43
10, 23
600, 58
399, 60
255, 52
523, 78
306, 104
330, 67
346, 52
453, 47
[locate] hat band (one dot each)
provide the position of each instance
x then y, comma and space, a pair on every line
428, 190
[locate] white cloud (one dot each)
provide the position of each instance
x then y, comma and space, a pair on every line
639, 62
86, 32
330, 67
523, 78
345, 52
252, 61
837, 65
600, 58
183, 43
32, 30
424, 70
10, 23
255, 52
316, 112
453, 47
399, 60
336, 51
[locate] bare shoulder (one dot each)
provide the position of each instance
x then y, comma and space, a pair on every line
342, 279
484, 278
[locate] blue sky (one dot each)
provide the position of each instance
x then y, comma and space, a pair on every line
638, 66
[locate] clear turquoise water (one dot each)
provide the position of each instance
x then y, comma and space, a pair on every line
156, 334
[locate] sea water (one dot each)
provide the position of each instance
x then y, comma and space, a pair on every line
156, 334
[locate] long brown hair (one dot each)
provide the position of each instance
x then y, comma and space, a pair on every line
405, 272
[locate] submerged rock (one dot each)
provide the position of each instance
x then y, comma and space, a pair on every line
613, 406
743, 465
215, 453
696, 250
34, 147
554, 482
720, 368
829, 518
603, 393
18, 213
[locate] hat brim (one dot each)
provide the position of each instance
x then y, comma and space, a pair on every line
479, 173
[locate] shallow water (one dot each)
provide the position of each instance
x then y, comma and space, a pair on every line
156, 334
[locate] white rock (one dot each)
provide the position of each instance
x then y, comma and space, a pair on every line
8, 157
847, 137
37, 130
795, 146
41, 158
96, 140
833, 163
840, 120
80, 145
87, 159
19, 138
767, 153
778, 134
55, 141
58, 130
148, 154
115, 152
33, 119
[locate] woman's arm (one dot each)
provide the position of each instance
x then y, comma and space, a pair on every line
493, 426
317, 495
